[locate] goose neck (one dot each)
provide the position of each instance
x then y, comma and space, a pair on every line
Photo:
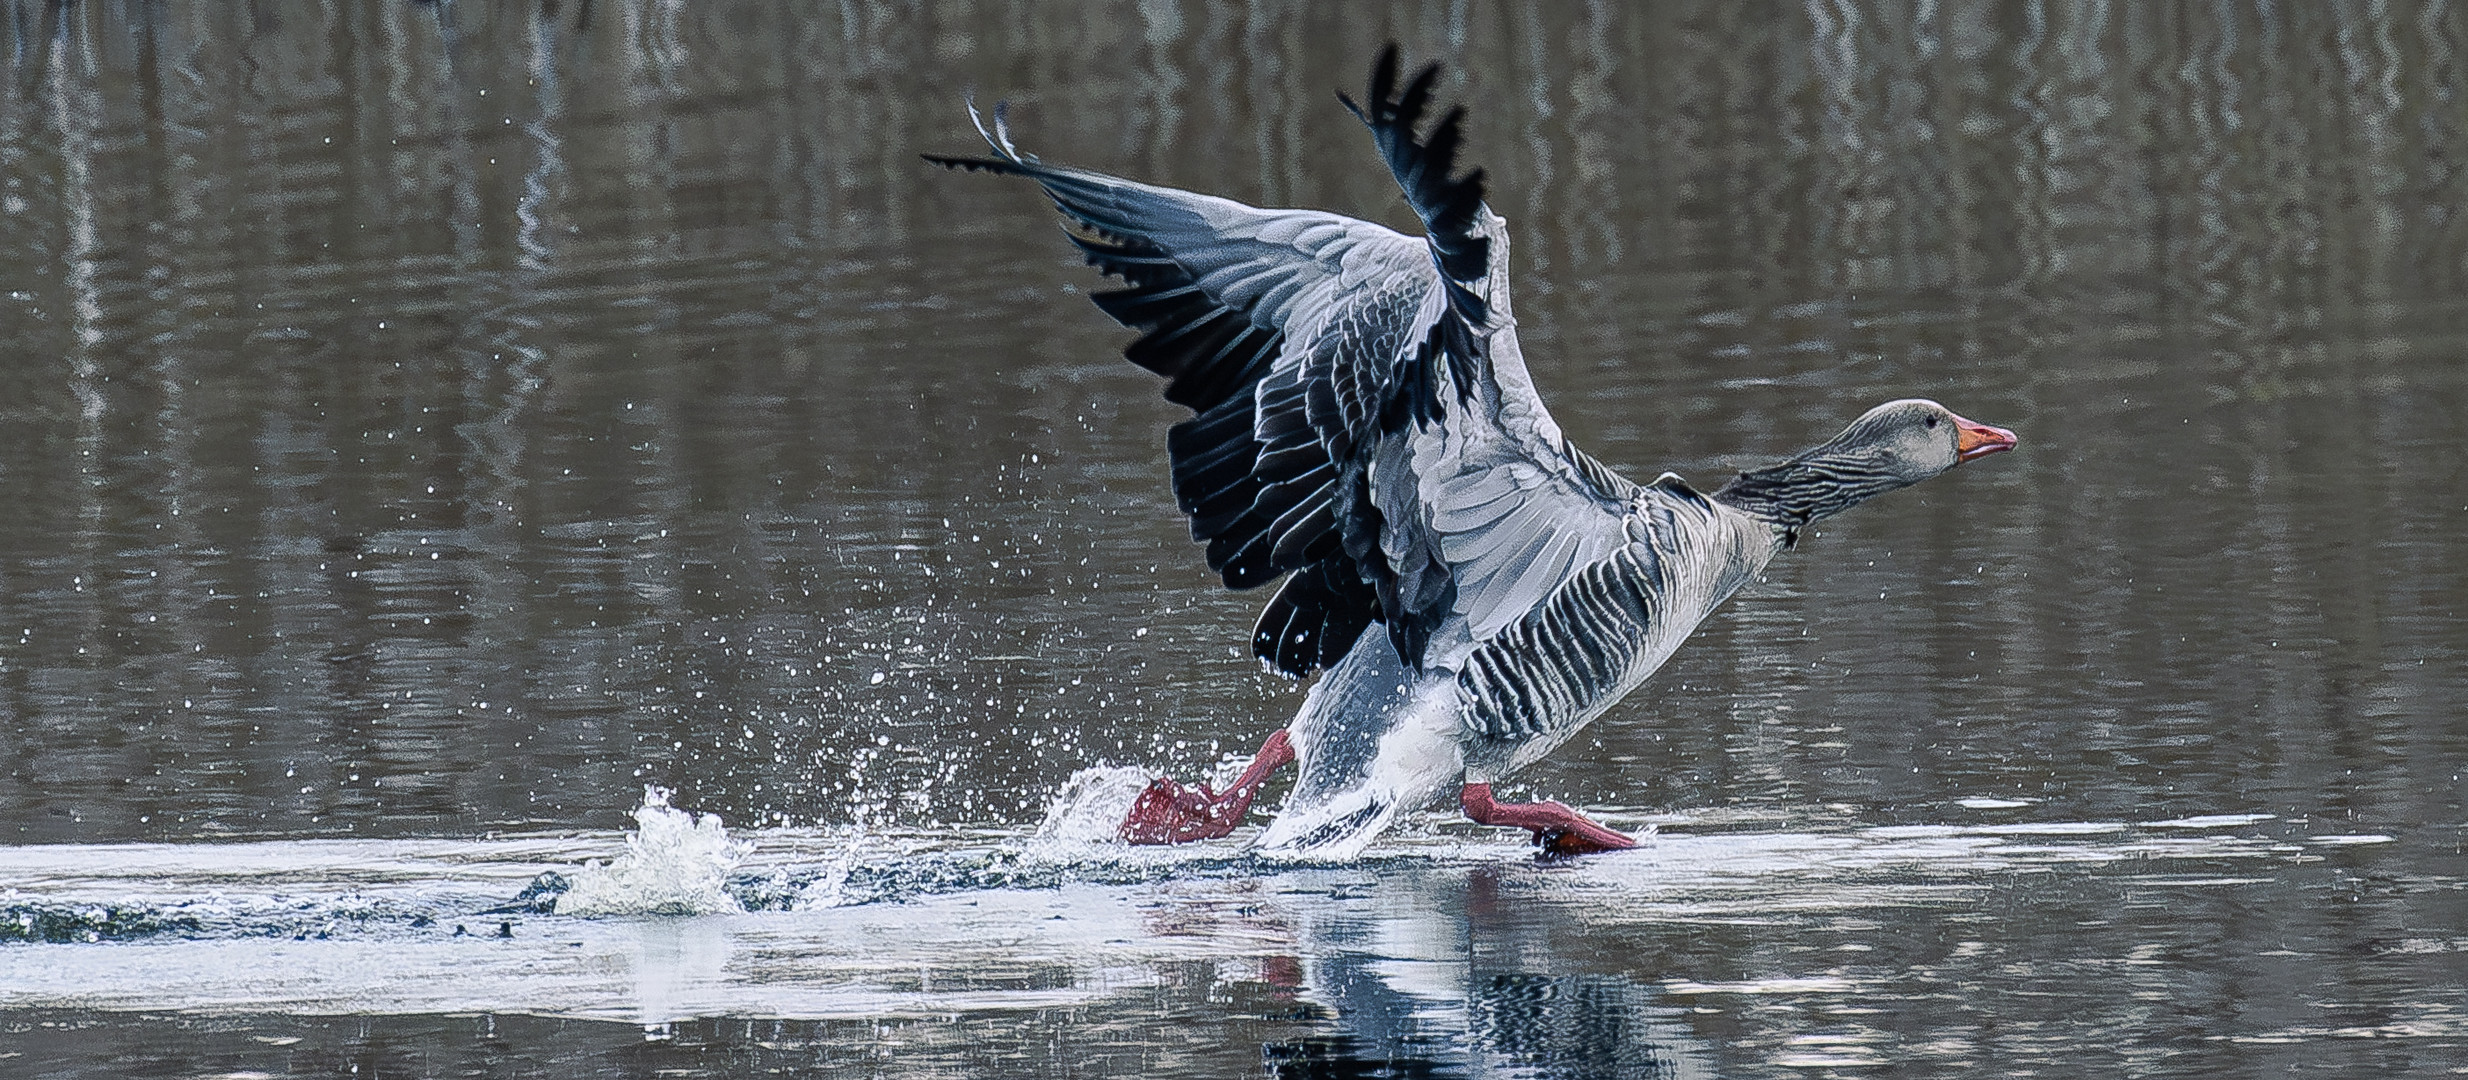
1808, 488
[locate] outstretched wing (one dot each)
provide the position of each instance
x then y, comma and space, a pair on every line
1250, 314
1363, 417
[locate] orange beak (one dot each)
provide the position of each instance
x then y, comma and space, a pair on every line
1980, 440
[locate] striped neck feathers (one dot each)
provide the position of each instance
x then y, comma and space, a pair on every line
1813, 486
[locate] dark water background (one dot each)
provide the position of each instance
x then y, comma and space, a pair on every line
431, 420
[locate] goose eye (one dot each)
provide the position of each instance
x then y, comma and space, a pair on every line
1932, 422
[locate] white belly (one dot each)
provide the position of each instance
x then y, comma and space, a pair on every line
1373, 740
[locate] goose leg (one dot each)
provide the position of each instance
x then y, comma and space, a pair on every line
1557, 829
1170, 813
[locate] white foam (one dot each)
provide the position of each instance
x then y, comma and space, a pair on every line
1814, 984
2209, 821
675, 863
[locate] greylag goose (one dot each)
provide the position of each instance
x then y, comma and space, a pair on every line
1366, 430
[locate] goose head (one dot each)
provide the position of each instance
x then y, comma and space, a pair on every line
1894, 445
1911, 440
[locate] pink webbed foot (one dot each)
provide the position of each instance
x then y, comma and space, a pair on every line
1171, 813
1557, 829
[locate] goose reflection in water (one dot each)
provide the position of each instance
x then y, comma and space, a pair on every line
1407, 992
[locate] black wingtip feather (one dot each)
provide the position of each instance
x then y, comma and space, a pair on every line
1448, 206
979, 164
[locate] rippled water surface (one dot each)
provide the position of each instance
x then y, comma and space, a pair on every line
426, 425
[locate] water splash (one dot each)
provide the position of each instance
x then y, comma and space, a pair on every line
1091, 806
395, 893
829, 888
675, 863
